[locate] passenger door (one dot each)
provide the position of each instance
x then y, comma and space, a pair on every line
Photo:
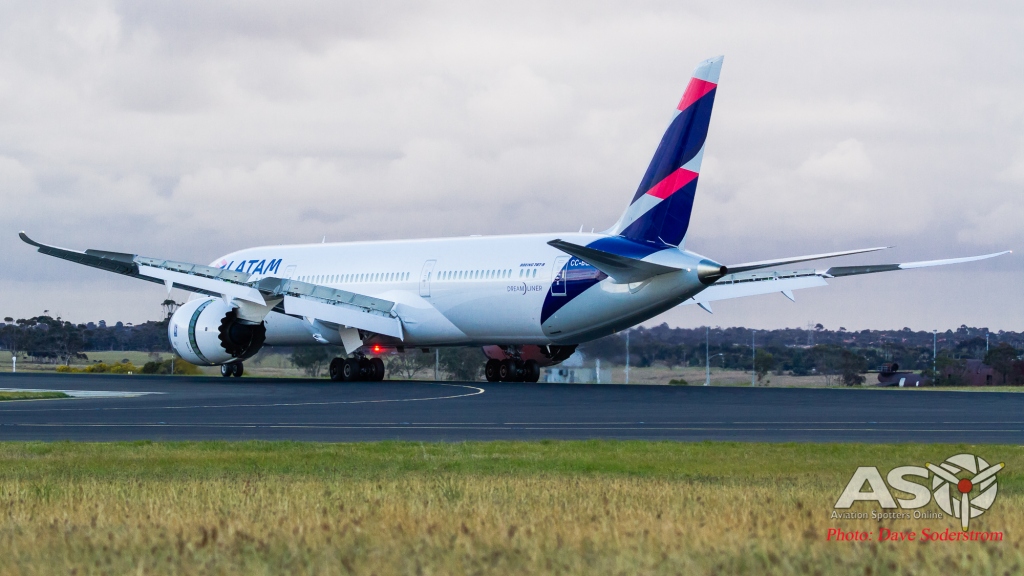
428, 270
559, 283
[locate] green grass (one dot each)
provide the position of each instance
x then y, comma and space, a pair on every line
727, 461
5, 396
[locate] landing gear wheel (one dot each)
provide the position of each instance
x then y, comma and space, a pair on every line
378, 369
507, 370
231, 369
335, 369
491, 370
365, 370
532, 371
520, 373
350, 370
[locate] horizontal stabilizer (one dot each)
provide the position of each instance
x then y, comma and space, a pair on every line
621, 269
748, 266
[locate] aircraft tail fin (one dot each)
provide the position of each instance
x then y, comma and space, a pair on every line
660, 210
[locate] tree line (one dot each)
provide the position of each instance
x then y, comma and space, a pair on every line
839, 354
53, 340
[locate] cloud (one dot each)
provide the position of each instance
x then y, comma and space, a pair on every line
190, 129
847, 162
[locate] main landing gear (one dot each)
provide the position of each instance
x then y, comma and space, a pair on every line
358, 369
231, 369
512, 370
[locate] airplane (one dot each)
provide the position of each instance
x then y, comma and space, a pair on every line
526, 300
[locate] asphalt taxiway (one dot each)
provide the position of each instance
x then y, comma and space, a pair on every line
114, 407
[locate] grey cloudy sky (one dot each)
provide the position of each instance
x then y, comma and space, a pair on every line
188, 129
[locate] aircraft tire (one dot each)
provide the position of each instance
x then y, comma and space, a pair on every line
225, 370
378, 369
350, 370
335, 369
491, 370
532, 371
507, 371
520, 372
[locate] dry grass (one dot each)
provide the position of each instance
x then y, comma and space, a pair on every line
488, 508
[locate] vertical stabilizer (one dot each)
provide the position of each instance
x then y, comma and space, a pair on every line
660, 210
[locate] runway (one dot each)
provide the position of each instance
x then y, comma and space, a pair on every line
206, 408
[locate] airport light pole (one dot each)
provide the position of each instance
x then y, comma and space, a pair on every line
707, 375
753, 359
935, 352
627, 356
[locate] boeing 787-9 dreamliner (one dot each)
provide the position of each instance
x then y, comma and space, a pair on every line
526, 300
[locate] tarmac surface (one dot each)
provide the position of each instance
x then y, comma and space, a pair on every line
204, 408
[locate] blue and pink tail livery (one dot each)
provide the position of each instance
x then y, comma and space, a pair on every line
660, 211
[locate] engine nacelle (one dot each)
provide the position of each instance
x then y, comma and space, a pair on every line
208, 332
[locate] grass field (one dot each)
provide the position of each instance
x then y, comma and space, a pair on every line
488, 508
6, 396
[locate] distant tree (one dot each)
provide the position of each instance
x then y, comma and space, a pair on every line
950, 370
462, 364
826, 361
763, 363
311, 359
1002, 358
409, 363
852, 366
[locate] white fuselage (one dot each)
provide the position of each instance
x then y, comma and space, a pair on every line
472, 291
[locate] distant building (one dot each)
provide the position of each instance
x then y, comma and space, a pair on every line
969, 373
973, 372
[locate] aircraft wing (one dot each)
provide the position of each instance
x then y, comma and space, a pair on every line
312, 301
739, 285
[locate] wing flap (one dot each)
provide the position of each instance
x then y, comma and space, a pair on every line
205, 284
343, 315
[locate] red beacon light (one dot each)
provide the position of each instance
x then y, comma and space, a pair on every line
377, 349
